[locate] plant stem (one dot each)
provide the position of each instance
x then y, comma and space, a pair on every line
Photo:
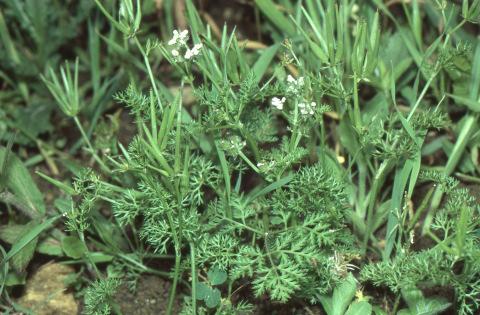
81, 236
356, 105
194, 278
377, 183
425, 88
90, 147
173, 289
178, 257
150, 73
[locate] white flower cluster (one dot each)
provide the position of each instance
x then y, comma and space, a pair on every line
278, 102
295, 86
307, 109
179, 38
179, 43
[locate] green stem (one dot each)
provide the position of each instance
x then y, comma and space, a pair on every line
89, 144
243, 225
173, 289
377, 184
356, 104
178, 257
81, 236
194, 278
425, 88
150, 73
247, 160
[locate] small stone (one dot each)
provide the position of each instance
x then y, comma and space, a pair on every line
46, 292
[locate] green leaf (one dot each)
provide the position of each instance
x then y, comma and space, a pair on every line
262, 64
203, 290
13, 233
73, 247
278, 19
50, 246
213, 299
18, 181
273, 186
27, 238
216, 276
60, 185
15, 278
468, 102
419, 305
9, 233
343, 295
359, 308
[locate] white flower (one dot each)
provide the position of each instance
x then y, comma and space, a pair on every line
291, 79
278, 103
294, 85
175, 53
193, 52
307, 109
300, 82
179, 37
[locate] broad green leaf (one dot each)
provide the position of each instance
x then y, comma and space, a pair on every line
15, 278
12, 234
343, 295
419, 305
341, 298
203, 290
50, 246
213, 298
18, 181
359, 308
73, 247
27, 238
216, 276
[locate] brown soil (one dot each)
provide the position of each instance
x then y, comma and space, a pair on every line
149, 298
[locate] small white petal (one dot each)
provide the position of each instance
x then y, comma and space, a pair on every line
278, 103
183, 34
175, 53
188, 54
300, 81
174, 39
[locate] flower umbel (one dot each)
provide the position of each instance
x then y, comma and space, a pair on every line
180, 50
195, 51
179, 38
294, 85
278, 103
307, 109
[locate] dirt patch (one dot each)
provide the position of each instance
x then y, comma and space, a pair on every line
149, 298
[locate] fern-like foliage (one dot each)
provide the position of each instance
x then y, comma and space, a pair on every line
98, 296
